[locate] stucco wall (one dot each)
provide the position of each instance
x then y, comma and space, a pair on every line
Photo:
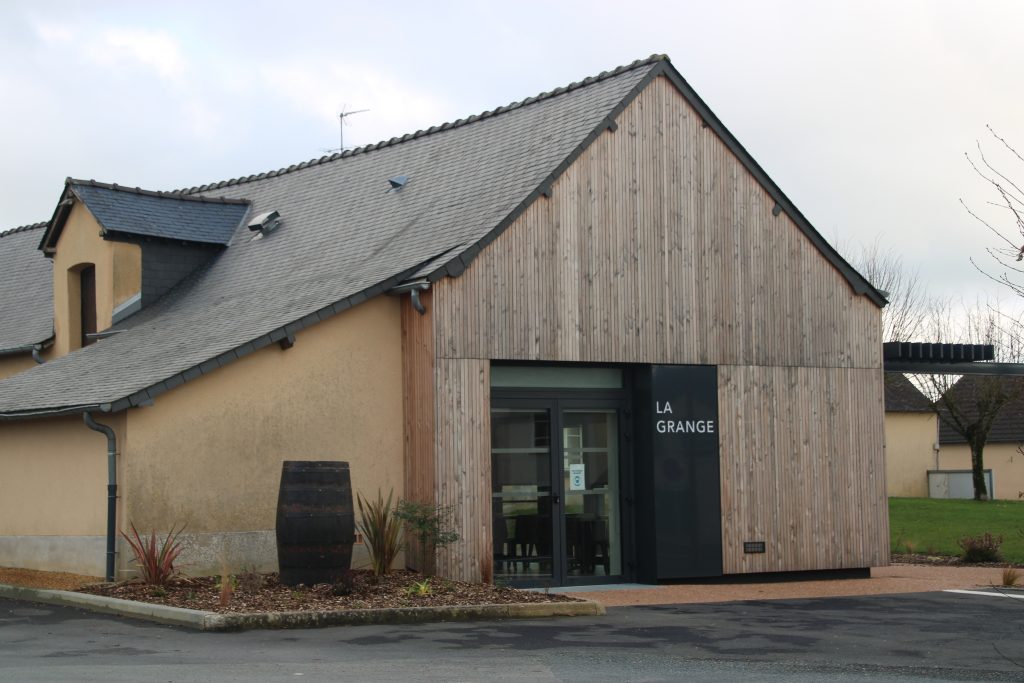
1005, 461
208, 454
118, 276
53, 488
909, 453
15, 363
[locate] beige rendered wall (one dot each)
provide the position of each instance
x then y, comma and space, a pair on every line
53, 488
118, 276
15, 363
208, 454
909, 453
1005, 461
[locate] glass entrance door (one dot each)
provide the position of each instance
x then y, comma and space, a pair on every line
590, 480
555, 499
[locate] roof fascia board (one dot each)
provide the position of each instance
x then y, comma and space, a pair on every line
48, 242
982, 368
60, 411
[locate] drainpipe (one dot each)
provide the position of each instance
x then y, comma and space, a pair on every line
35, 354
111, 488
414, 288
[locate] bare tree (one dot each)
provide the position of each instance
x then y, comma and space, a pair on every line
905, 315
1005, 217
970, 404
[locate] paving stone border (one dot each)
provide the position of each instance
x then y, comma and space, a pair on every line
213, 621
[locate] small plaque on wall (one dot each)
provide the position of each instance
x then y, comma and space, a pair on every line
752, 547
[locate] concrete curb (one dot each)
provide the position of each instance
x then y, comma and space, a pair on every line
212, 621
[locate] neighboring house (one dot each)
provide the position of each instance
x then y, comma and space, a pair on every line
1002, 453
26, 300
911, 438
588, 321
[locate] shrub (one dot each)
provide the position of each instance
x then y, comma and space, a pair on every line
155, 561
984, 548
429, 525
380, 529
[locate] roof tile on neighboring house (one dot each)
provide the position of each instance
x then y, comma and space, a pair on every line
26, 290
901, 396
1008, 426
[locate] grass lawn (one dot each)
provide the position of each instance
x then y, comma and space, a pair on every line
933, 526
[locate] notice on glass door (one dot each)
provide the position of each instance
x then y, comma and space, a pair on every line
577, 477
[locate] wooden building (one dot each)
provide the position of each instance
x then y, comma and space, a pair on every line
624, 354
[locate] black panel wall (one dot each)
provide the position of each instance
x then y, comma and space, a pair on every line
678, 500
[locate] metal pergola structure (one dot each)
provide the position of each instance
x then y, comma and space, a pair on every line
924, 358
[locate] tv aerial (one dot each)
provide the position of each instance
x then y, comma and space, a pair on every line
342, 123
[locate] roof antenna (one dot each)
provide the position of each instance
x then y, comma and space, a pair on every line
341, 124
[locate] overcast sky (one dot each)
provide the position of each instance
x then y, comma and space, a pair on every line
860, 111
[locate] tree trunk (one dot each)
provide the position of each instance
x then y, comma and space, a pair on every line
978, 470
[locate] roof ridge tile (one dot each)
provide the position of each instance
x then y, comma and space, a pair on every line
153, 193
448, 125
23, 228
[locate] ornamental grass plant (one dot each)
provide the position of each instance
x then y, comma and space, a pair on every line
381, 531
154, 559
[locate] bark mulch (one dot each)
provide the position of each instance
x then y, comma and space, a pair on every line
945, 561
253, 593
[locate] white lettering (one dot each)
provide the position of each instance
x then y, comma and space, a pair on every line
663, 409
685, 426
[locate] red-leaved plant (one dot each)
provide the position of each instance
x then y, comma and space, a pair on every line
155, 561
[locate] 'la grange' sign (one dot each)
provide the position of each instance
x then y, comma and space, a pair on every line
669, 425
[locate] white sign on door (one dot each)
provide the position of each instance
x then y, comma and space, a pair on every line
577, 477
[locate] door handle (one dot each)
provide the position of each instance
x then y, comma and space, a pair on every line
555, 500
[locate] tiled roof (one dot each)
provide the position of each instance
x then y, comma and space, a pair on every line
901, 396
1008, 426
342, 238
26, 290
166, 215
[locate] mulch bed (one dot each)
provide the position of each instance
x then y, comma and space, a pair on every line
945, 561
252, 593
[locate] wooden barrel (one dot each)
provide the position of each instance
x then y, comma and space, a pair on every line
315, 523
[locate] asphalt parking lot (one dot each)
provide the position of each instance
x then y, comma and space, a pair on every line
924, 636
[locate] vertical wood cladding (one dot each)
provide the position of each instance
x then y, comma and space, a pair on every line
463, 465
657, 246
418, 401
802, 468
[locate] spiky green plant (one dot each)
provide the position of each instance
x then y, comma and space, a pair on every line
381, 531
155, 560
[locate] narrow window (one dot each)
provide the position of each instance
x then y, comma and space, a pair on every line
87, 284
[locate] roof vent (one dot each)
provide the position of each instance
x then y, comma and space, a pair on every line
265, 223
397, 182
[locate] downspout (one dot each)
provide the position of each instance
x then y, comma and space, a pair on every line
111, 488
35, 354
414, 288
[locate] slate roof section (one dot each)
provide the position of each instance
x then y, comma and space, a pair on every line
343, 239
1008, 426
141, 213
26, 290
901, 396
